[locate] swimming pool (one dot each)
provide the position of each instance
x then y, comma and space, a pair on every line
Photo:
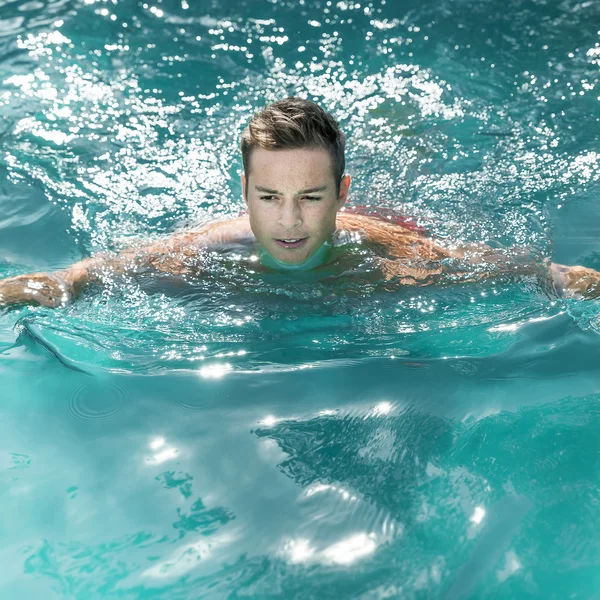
293, 437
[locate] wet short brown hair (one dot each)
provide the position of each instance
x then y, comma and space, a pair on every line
295, 123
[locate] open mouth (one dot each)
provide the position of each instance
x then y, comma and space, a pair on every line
291, 242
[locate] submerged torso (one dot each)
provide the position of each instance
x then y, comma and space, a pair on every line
361, 244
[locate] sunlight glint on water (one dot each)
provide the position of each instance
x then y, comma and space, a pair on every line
265, 437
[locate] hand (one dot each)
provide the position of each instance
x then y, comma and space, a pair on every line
40, 288
576, 281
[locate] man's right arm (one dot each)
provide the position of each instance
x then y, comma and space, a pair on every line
61, 287
179, 254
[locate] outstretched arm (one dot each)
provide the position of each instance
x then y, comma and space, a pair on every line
416, 258
569, 281
178, 254
576, 281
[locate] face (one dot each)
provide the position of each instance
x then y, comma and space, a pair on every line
292, 200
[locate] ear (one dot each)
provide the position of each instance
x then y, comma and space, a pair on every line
344, 188
243, 178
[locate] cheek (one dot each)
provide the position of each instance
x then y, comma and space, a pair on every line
255, 209
321, 216
261, 215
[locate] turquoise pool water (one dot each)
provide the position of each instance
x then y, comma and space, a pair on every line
289, 435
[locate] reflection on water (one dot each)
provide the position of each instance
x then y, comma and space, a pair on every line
162, 452
372, 492
344, 552
389, 454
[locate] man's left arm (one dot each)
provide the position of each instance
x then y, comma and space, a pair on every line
419, 259
569, 281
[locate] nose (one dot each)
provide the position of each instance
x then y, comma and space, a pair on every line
290, 215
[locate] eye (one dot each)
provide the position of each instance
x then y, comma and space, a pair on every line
267, 198
312, 198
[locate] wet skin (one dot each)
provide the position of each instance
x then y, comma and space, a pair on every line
293, 206
292, 201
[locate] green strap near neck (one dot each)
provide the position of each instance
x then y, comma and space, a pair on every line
316, 259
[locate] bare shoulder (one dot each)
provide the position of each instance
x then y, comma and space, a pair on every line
398, 241
222, 232
210, 234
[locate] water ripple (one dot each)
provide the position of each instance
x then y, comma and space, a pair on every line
98, 401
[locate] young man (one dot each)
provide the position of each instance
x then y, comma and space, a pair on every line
294, 187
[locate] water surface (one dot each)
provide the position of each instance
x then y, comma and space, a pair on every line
246, 436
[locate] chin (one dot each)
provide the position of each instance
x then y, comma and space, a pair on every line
290, 258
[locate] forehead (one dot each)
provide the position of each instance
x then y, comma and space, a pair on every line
298, 165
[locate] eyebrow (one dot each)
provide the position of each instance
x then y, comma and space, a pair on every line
312, 190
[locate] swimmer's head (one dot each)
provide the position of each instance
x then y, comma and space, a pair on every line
293, 180
295, 123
